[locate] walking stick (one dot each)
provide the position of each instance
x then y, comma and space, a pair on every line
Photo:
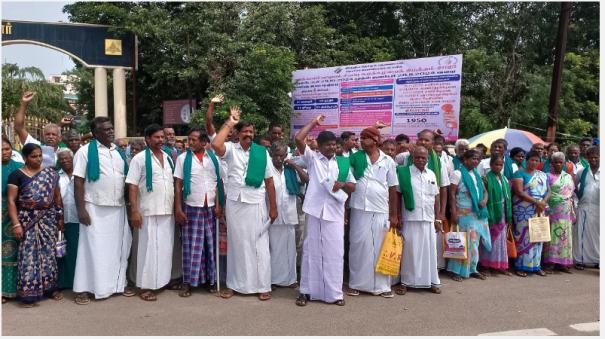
218, 263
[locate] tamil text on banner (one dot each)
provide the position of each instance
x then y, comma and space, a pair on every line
409, 95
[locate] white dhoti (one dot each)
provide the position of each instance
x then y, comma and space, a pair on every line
419, 261
103, 249
322, 262
586, 237
365, 238
248, 256
154, 255
282, 244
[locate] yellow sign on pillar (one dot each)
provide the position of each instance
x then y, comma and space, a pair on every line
113, 47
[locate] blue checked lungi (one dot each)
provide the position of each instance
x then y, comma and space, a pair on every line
198, 236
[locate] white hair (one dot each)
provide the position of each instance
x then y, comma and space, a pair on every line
558, 155
461, 142
65, 150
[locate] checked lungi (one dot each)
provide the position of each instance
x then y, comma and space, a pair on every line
198, 237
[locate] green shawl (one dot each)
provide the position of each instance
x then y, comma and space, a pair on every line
475, 198
344, 165
495, 192
508, 167
405, 186
149, 169
584, 162
255, 175
291, 181
581, 183
457, 162
359, 162
434, 165
187, 175
93, 168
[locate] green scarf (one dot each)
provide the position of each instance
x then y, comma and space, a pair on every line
359, 162
584, 162
581, 184
495, 192
255, 175
344, 164
7, 169
93, 168
149, 169
434, 165
168, 150
405, 186
187, 176
508, 167
468, 182
457, 162
291, 181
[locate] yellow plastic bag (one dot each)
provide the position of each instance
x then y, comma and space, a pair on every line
391, 251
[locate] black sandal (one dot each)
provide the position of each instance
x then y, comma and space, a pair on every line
301, 300
340, 302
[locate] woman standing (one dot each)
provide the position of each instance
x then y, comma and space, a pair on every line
558, 252
35, 192
9, 242
468, 198
499, 216
586, 234
531, 194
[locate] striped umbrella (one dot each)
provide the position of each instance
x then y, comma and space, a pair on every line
514, 137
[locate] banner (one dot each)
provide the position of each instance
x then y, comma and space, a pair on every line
178, 112
409, 95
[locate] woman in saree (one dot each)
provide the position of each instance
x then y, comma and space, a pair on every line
9, 242
586, 233
530, 198
36, 211
499, 210
559, 251
468, 199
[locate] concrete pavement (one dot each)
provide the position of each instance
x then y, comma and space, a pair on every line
471, 307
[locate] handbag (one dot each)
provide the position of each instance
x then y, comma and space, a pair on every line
455, 244
389, 260
539, 229
511, 246
61, 246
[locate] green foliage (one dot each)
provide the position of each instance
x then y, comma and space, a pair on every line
247, 51
48, 102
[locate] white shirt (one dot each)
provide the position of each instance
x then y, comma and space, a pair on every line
47, 159
66, 185
203, 179
403, 158
577, 167
372, 190
160, 201
16, 156
318, 201
237, 162
448, 161
286, 203
108, 190
424, 188
484, 167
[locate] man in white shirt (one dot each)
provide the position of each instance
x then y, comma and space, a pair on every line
250, 177
373, 212
67, 264
104, 243
197, 207
282, 238
330, 180
419, 226
349, 143
151, 196
498, 146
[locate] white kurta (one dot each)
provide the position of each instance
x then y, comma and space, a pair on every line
323, 248
104, 245
586, 229
369, 223
156, 237
419, 260
248, 256
282, 235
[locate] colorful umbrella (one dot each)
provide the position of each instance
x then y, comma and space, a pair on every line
514, 137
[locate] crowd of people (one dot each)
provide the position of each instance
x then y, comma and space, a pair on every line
101, 216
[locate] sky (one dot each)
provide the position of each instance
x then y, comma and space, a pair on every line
49, 61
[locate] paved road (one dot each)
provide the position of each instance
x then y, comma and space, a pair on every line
533, 304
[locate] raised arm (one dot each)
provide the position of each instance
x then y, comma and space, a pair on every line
218, 144
302, 134
20, 115
210, 114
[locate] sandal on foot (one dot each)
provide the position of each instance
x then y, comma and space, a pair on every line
82, 299
435, 290
301, 300
264, 296
148, 296
129, 291
565, 269
353, 292
212, 289
541, 273
401, 290
295, 285
521, 274
340, 302
506, 273
387, 295
185, 292
28, 305
579, 267
479, 276
57, 295
176, 285
456, 277
226, 294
